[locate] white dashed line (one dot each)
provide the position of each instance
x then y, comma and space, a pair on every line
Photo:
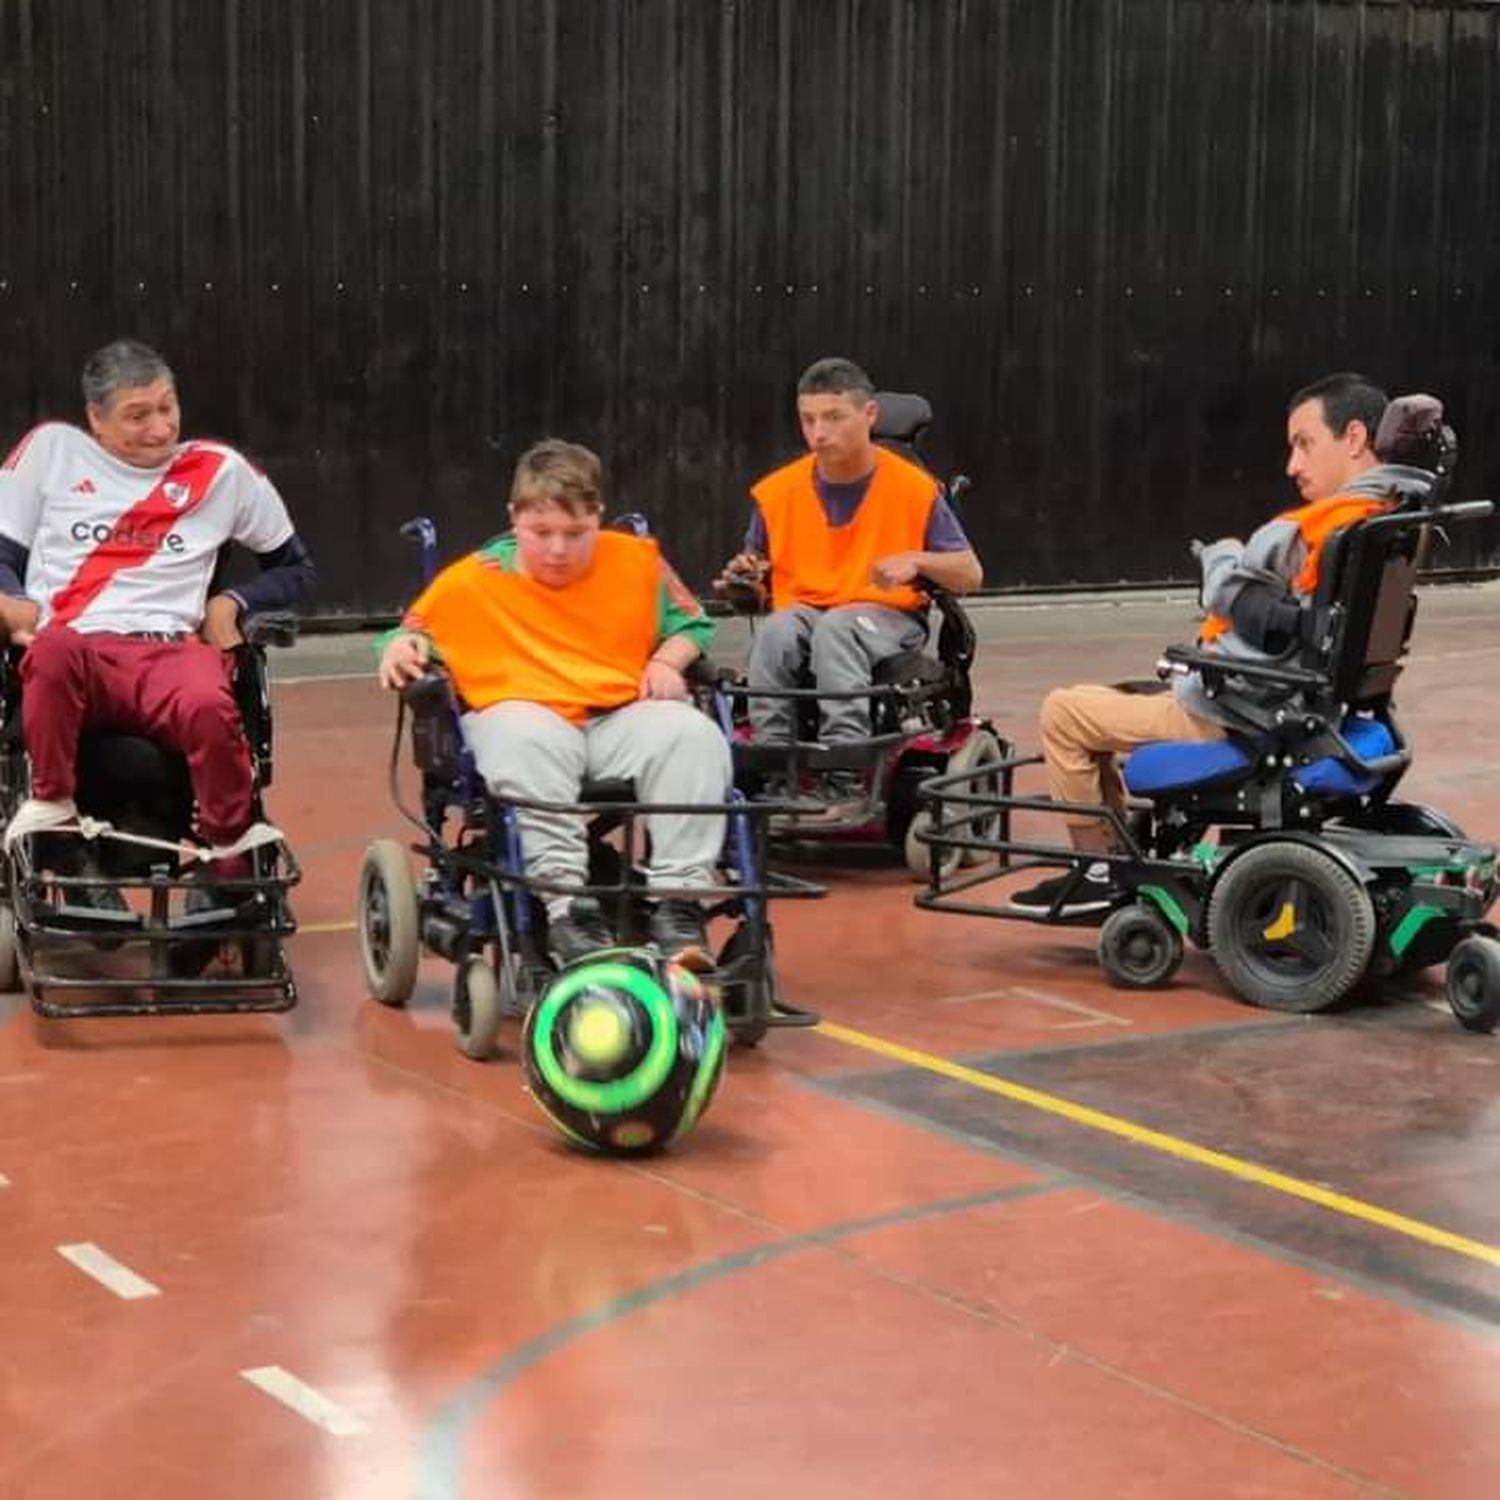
312, 1405
108, 1272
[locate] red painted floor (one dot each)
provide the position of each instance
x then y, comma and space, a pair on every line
856, 1278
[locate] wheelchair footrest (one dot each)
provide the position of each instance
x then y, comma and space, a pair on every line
70, 918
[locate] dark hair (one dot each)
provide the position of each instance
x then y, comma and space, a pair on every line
121, 366
555, 472
1346, 397
835, 377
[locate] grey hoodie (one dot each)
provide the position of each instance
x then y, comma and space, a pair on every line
1273, 556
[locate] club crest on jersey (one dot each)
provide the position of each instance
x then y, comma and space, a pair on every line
177, 495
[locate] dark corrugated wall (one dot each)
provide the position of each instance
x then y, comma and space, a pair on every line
386, 244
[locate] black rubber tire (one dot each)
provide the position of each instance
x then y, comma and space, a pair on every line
389, 923
1473, 983
476, 1007
919, 855
1321, 958
982, 748
10, 967
1138, 948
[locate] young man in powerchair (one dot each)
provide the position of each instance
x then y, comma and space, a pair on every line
567, 645
1256, 595
840, 537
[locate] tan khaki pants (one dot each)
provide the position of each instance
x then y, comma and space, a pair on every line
1085, 727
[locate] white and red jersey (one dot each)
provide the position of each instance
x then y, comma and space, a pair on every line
122, 549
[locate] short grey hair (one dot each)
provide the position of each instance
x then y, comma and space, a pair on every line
122, 366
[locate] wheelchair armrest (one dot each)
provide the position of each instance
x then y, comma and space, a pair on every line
273, 628
1215, 667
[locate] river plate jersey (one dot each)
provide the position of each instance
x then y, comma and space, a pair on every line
117, 548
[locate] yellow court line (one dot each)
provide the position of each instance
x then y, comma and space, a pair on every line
316, 927
1171, 1145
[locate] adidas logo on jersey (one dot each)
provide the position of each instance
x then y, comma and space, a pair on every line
85, 487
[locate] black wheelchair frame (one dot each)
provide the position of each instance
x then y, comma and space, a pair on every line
42, 930
478, 908
1419, 887
920, 706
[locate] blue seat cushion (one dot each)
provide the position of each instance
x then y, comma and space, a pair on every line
1368, 739
1179, 763
1185, 763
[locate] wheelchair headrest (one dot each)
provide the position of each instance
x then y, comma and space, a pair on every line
901, 417
1412, 432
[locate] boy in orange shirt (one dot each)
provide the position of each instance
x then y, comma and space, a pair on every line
567, 645
843, 533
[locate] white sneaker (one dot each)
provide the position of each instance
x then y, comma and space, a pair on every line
37, 815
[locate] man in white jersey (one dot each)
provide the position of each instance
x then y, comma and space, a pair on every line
109, 541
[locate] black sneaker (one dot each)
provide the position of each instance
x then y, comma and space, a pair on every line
583, 931
678, 929
1074, 893
188, 957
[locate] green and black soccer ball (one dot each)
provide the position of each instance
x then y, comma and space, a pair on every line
623, 1051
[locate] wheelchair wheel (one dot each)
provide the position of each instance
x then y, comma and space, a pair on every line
1473, 983
1138, 948
1290, 928
981, 749
477, 1010
389, 923
919, 856
748, 1003
10, 968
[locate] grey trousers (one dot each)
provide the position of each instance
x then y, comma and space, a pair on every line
841, 647
673, 753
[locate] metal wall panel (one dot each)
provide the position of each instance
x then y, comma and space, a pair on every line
387, 243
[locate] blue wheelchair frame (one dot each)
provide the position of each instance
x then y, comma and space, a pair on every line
475, 894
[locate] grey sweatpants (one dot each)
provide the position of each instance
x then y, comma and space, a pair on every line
841, 647
671, 751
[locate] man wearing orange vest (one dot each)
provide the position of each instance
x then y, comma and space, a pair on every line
1256, 594
842, 534
567, 645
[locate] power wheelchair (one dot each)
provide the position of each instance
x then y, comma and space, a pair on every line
1282, 849
114, 911
920, 705
476, 906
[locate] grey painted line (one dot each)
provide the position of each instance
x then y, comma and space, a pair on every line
440, 1448
1454, 1305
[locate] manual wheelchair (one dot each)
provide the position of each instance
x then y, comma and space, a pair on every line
476, 906
113, 907
1281, 850
920, 704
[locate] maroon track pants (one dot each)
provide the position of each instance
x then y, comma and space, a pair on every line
175, 692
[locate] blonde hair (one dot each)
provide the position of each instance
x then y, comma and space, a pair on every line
555, 472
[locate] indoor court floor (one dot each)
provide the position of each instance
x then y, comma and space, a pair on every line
994, 1229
